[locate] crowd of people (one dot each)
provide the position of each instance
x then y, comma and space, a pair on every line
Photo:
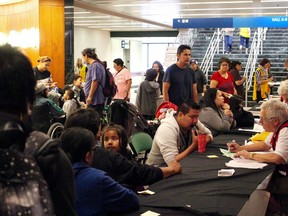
89, 168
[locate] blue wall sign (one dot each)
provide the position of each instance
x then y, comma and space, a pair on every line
231, 22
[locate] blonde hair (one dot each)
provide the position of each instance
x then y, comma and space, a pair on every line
44, 59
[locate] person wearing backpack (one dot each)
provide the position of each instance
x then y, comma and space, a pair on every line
95, 78
30, 150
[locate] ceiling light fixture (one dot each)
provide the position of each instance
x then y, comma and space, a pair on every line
183, 3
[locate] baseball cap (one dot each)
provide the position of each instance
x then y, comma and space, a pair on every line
193, 61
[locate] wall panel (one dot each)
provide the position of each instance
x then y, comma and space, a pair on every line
51, 16
48, 17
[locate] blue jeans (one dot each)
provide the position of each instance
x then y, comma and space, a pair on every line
242, 39
228, 43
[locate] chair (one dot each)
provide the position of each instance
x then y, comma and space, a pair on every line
43, 120
141, 143
55, 130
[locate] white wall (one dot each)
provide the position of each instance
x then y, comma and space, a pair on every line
136, 60
135, 53
91, 38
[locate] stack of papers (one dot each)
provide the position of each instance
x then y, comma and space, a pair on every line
245, 163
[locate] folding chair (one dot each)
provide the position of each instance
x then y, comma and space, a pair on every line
141, 144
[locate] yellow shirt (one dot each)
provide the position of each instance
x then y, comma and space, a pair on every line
82, 73
245, 32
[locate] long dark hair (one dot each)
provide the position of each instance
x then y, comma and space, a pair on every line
209, 99
91, 54
161, 69
234, 64
123, 139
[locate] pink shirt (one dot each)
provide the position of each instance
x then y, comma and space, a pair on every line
121, 79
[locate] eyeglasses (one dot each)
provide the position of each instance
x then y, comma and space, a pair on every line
266, 119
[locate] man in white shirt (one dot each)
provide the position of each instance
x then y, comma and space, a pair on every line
175, 137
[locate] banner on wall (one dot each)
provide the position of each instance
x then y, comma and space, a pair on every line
231, 22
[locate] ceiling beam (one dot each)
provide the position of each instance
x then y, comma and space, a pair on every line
100, 9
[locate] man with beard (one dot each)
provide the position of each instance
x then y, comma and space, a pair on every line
175, 137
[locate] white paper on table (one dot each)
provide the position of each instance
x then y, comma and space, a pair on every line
257, 128
150, 213
245, 163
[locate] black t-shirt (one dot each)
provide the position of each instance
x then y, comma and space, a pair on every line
123, 170
181, 83
41, 75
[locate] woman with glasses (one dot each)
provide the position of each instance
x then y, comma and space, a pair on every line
223, 80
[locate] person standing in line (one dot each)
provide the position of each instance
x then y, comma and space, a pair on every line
147, 94
95, 78
80, 69
228, 39
160, 73
122, 78
200, 77
261, 89
244, 36
238, 80
179, 81
223, 80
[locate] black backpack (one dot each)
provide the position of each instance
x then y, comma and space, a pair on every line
110, 87
23, 189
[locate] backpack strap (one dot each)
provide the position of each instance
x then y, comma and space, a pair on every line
37, 142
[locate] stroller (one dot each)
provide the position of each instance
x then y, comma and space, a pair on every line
126, 114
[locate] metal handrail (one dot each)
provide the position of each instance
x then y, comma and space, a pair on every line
255, 48
213, 47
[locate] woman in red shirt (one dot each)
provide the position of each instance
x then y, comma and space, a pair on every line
223, 80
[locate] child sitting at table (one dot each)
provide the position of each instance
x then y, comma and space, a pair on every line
96, 192
114, 138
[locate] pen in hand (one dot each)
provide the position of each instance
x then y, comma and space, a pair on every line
229, 148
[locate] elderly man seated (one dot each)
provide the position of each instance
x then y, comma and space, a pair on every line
175, 137
274, 118
45, 111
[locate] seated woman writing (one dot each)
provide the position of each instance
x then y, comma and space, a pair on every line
212, 115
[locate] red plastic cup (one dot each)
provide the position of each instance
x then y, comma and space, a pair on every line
202, 142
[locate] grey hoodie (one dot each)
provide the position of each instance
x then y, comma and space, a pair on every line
146, 98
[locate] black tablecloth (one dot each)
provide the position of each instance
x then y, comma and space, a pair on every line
199, 189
